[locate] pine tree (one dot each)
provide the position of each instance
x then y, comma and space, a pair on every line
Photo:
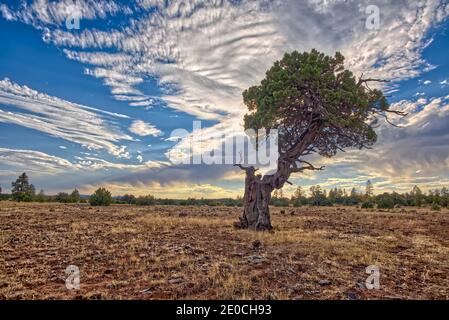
22, 190
417, 196
369, 190
299, 193
74, 196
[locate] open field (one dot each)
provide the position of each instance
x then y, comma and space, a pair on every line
169, 252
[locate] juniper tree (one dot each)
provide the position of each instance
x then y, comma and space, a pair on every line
369, 190
22, 190
318, 107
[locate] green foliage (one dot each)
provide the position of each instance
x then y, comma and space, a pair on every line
367, 205
22, 190
64, 197
311, 87
40, 197
385, 201
436, 206
278, 199
318, 197
101, 197
369, 193
148, 200
417, 197
127, 199
280, 202
74, 196
299, 198
5, 197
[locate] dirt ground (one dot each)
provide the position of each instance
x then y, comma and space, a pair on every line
170, 252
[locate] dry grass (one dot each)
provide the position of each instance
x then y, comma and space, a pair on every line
169, 252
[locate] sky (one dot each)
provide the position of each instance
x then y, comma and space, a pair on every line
96, 93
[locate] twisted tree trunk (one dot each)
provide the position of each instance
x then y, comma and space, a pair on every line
256, 211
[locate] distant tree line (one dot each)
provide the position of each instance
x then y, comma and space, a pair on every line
318, 197
23, 191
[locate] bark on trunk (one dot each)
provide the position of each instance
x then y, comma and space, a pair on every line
256, 211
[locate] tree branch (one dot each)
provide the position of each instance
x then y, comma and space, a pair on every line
362, 81
246, 169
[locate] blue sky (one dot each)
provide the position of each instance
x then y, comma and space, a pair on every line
96, 106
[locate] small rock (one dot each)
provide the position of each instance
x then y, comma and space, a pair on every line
324, 282
282, 211
352, 296
311, 292
361, 285
257, 244
236, 254
176, 280
256, 259
292, 213
14, 240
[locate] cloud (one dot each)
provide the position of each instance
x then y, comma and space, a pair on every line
419, 147
42, 13
427, 82
205, 53
89, 127
176, 190
35, 161
144, 129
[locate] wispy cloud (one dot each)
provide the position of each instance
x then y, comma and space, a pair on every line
80, 124
42, 13
36, 161
144, 129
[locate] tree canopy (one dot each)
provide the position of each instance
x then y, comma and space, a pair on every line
22, 190
312, 94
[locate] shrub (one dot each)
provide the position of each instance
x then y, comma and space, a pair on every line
367, 205
22, 190
101, 197
145, 200
62, 197
127, 199
280, 202
74, 196
436, 206
385, 203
